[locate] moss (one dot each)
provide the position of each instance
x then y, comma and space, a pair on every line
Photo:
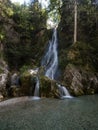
45, 86
26, 84
48, 87
24, 69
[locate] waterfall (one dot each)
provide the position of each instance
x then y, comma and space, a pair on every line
63, 92
36, 91
50, 60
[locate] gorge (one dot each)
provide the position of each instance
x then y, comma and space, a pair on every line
40, 66
65, 64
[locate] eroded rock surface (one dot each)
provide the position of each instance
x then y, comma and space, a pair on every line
79, 81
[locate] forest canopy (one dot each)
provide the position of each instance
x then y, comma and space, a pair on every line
20, 27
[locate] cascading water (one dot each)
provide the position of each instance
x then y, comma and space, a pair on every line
63, 92
36, 90
50, 62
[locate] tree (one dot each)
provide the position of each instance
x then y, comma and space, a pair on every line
54, 11
87, 20
38, 16
21, 42
75, 21
6, 13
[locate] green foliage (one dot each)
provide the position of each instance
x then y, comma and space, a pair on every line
84, 53
6, 12
18, 54
87, 20
38, 16
27, 33
20, 27
66, 24
54, 11
24, 68
81, 54
6, 8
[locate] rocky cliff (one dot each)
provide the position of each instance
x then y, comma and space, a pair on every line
3, 79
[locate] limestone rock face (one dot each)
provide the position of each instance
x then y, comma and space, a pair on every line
3, 79
79, 81
1, 97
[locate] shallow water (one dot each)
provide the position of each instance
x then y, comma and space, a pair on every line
51, 114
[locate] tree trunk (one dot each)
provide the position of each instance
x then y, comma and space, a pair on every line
75, 21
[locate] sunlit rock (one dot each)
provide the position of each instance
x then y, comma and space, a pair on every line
33, 71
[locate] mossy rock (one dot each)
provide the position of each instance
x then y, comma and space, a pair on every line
79, 81
48, 87
26, 84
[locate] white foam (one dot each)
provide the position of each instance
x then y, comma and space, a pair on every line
64, 97
35, 98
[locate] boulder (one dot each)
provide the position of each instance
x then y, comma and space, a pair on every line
79, 81
48, 87
28, 82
